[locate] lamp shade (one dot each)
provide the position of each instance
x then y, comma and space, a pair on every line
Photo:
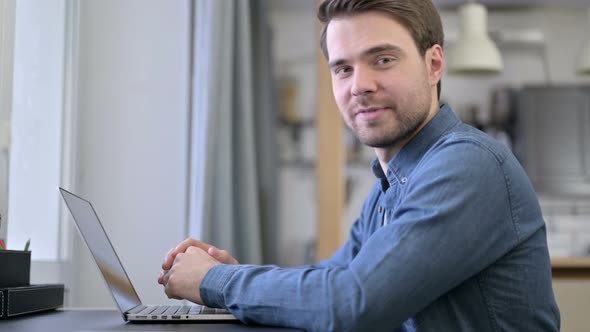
474, 52
583, 66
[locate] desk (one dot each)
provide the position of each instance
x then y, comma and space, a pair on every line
72, 320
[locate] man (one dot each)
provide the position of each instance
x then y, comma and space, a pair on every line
451, 238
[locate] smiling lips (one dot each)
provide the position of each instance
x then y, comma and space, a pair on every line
369, 114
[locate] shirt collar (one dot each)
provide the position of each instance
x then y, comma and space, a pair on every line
401, 166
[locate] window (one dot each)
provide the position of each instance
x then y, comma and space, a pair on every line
36, 128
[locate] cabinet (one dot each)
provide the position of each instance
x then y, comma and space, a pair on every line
555, 141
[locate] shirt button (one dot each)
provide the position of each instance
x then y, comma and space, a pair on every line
380, 209
404, 179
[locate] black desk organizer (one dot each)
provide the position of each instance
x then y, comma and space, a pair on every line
17, 295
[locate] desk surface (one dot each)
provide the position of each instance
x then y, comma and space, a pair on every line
111, 320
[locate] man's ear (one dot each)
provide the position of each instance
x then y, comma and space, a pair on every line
435, 62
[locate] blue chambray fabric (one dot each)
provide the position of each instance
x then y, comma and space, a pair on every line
462, 248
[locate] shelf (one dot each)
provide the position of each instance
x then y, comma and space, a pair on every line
571, 267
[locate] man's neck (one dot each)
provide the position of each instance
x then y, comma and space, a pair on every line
386, 154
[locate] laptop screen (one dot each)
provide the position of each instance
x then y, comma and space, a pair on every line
101, 248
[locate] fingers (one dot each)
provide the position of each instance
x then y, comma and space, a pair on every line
165, 274
192, 249
161, 277
190, 245
164, 278
169, 290
188, 270
196, 243
222, 256
168, 259
171, 255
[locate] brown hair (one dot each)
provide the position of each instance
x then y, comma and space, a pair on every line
420, 17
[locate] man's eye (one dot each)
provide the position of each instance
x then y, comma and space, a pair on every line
384, 61
342, 70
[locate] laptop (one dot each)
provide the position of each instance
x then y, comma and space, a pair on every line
117, 280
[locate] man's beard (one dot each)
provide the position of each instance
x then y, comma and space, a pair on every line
391, 134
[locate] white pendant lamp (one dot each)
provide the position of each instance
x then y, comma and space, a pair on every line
583, 67
474, 52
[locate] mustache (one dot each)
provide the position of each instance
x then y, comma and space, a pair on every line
365, 101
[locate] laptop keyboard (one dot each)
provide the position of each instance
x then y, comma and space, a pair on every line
176, 310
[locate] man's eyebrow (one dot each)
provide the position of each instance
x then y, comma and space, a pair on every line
383, 48
336, 63
371, 51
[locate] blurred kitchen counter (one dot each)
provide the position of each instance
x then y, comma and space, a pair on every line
570, 267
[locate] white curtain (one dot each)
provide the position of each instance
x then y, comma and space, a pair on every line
233, 169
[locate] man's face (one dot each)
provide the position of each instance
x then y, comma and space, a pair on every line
381, 83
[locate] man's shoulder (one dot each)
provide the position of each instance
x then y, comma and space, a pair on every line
471, 143
467, 152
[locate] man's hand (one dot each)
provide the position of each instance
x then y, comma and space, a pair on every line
221, 255
183, 279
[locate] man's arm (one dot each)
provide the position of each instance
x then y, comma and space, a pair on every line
347, 252
454, 221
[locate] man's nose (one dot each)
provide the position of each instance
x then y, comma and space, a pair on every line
363, 82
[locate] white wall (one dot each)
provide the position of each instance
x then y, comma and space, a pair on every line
133, 136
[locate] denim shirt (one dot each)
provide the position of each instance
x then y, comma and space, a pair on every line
451, 239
